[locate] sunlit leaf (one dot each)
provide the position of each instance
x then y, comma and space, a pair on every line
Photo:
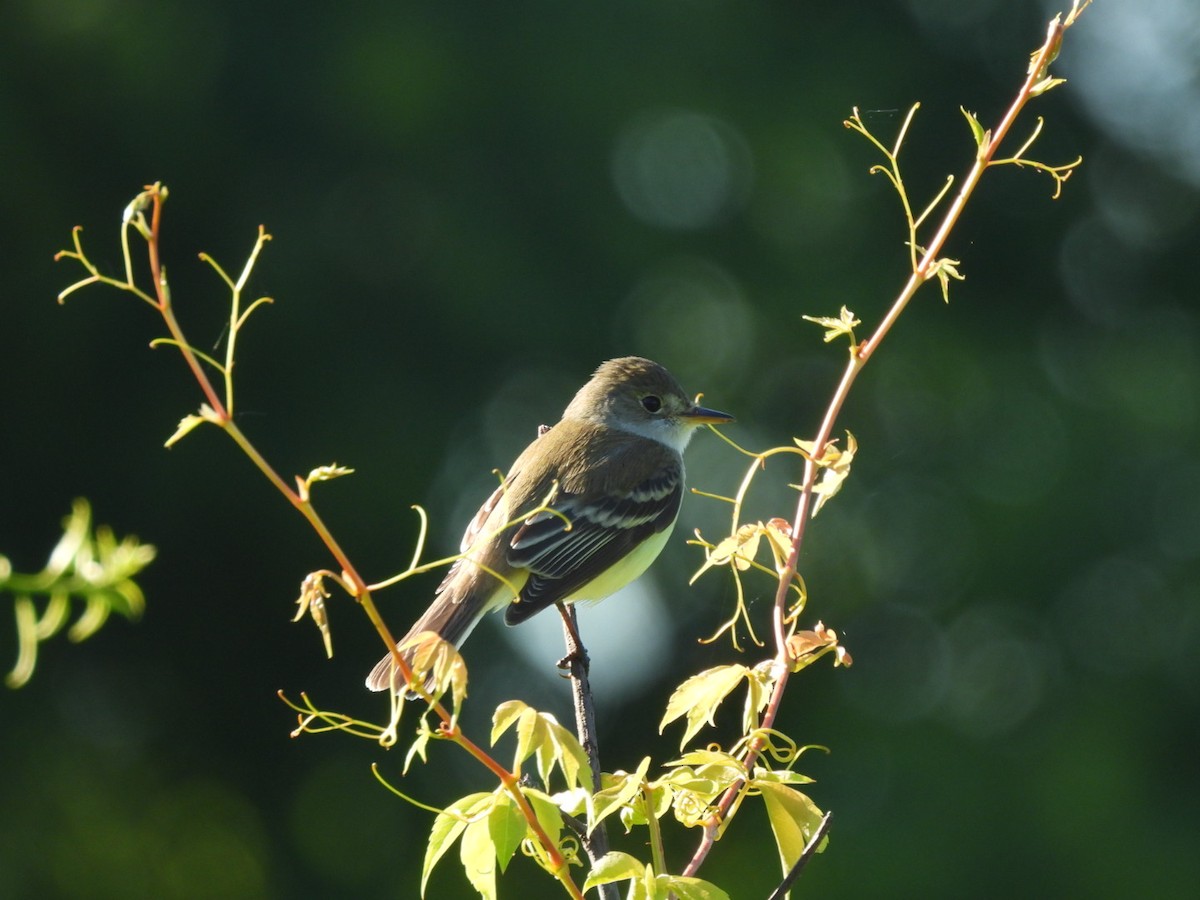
327, 473
568, 752
835, 470
85, 565
977, 130
418, 748
620, 788
540, 735
478, 856
439, 664
844, 324
448, 825
759, 683
613, 866
699, 696
186, 424
782, 776
943, 270
506, 713
549, 816
794, 818
642, 808
507, 828
685, 887
1044, 85
527, 736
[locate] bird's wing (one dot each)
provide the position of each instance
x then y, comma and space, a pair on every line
562, 558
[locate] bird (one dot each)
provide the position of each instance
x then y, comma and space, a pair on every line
582, 512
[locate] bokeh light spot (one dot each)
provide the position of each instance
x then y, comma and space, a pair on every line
690, 315
999, 673
627, 637
680, 169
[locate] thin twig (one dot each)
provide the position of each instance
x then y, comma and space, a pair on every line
809, 849
595, 843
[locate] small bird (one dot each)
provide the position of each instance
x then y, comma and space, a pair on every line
612, 468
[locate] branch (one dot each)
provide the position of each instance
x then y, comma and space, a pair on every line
928, 265
809, 849
595, 843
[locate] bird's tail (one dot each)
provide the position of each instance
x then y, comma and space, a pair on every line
451, 618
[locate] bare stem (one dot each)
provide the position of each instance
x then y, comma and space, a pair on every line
810, 848
595, 843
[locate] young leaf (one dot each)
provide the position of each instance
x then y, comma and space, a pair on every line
759, 683
527, 736
699, 697
613, 866
568, 752
478, 856
448, 825
506, 827
981, 136
698, 777
844, 324
539, 734
944, 269
835, 470
549, 816
793, 817
506, 713
186, 424
418, 748
620, 789
685, 888
439, 664
739, 548
783, 776
327, 473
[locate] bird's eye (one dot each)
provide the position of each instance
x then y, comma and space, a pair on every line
651, 403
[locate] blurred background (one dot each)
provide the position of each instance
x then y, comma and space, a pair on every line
473, 204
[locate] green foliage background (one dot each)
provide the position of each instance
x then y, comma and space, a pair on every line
460, 236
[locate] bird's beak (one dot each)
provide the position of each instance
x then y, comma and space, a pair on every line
699, 415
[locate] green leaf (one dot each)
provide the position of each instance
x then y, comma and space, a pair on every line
527, 737
1044, 85
699, 696
613, 866
571, 757
617, 866
418, 748
545, 746
506, 713
653, 802
782, 776
759, 683
620, 788
549, 816
448, 825
794, 819
327, 473
944, 269
844, 324
685, 888
478, 856
186, 424
507, 827
981, 136
539, 734
573, 802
